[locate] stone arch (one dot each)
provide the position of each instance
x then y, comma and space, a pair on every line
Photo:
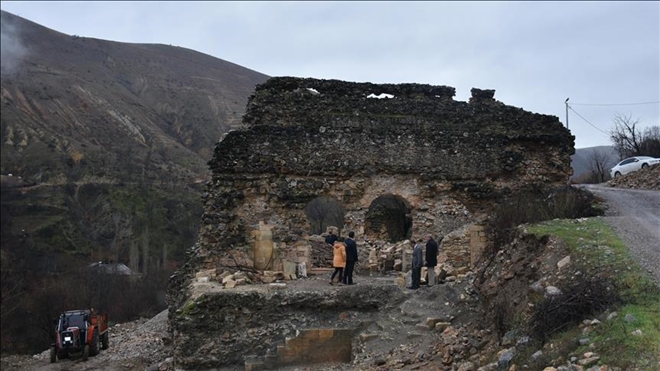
389, 218
323, 212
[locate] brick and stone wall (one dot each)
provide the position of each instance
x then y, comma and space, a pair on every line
305, 138
309, 346
446, 163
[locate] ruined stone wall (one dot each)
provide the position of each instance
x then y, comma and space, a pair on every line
307, 138
447, 162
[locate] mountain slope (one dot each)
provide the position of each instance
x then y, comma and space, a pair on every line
107, 144
69, 99
110, 140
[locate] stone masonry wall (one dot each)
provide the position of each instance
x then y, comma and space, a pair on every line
449, 161
308, 138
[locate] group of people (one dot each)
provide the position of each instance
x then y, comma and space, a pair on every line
419, 260
344, 258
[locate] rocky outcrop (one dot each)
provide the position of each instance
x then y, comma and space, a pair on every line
399, 161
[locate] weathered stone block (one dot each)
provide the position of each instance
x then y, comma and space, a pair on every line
441, 326
230, 284
367, 337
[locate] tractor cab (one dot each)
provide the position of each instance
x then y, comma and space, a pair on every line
79, 331
72, 329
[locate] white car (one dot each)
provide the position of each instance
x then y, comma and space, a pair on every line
632, 164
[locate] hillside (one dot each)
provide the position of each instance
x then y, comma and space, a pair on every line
72, 102
583, 160
88, 113
107, 145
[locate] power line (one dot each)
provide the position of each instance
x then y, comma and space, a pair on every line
614, 104
587, 121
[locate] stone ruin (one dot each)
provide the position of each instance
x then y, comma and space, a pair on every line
391, 162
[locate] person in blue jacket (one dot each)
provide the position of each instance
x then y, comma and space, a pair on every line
351, 259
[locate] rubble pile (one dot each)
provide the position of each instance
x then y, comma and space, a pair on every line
647, 178
547, 359
322, 254
385, 256
375, 257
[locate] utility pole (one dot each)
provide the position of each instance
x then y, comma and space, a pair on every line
566, 103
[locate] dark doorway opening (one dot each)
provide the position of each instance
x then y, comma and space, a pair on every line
389, 218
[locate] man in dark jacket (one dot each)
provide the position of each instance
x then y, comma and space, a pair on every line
330, 240
431, 260
417, 262
351, 258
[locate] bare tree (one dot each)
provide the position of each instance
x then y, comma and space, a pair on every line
625, 136
598, 162
650, 145
324, 211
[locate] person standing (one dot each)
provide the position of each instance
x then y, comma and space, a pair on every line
351, 259
417, 262
431, 260
339, 260
331, 238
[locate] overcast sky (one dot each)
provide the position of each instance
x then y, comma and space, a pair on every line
535, 55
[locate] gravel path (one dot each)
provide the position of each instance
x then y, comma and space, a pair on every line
635, 217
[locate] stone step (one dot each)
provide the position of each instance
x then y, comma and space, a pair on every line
319, 271
255, 366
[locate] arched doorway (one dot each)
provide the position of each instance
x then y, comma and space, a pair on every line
389, 218
323, 212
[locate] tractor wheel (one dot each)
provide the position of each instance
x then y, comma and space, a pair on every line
86, 352
105, 341
94, 347
53, 354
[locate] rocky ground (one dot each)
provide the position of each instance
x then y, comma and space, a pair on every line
444, 327
648, 178
136, 345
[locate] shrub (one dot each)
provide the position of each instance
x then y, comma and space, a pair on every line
576, 302
539, 204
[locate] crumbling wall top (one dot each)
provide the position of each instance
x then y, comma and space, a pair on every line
333, 128
290, 101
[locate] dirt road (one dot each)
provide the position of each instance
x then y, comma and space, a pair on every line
635, 216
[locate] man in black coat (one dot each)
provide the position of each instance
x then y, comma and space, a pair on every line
351, 258
330, 240
431, 260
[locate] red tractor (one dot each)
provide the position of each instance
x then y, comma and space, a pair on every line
79, 331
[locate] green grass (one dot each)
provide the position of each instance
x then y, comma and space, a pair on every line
598, 251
